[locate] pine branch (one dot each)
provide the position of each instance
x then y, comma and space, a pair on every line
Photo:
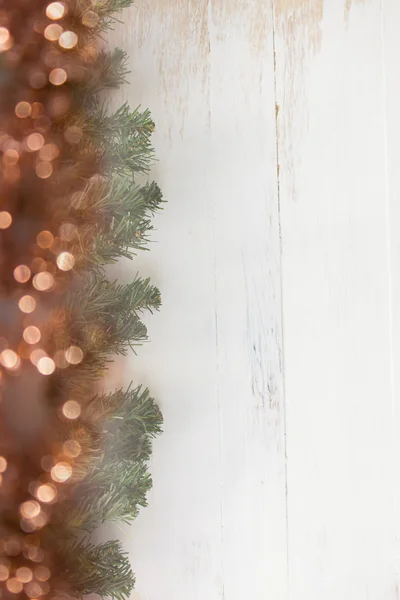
101, 569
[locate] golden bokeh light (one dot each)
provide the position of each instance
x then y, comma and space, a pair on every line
9, 359
34, 142
31, 335
72, 448
34, 554
30, 509
49, 152
3, 464
58, 76
22, 273
61, 472
10, 156
44, 169
53, 32
45, 239
4, 572
36, 355
71, 409
33, 589
5, 219
27, 304
90, 19
68, 40
73, 134
67, 231
46, 365
24, 574
55, 11
23, 110
42, 573
46, 493
74, 355
65, 261
14, 586
43, 281
4, 35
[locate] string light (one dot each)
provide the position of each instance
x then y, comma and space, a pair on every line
4, 572
72, 448
3, 464
46, 365
5, 219
22, 273
24, 574
43, 281
71, 409
14, 586
45, 239
34, 142
65, 261
44, 169
73, 135
61, 472
31, 335
33, 589
46, 493
9, 359
4, 35
68, 40
74, 355
90, 19
58, 76
23, 110
53, 32
42, 573
36, 355
49, 152
30, 509
55, 11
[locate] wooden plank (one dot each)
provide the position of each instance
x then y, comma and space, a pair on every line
216, 524
243, 184
336, 302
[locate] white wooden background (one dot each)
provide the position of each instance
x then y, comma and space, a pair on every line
276, 355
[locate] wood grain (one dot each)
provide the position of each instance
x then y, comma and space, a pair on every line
274, 356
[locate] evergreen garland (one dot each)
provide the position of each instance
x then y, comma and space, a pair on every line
71, 456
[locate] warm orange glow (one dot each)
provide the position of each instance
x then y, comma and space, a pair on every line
34, 554
27, 304
4, 35
46, 493
55, 11
22, 273
5, 219
58, 76
68, 40
43, 281
46, 365
14, 586
34, 142
49, 152
33, 590
74, 355
24, 574
9, 359
31, 334
11, 156
53, 32
71, 409
60, 360
90, 19
30, 509
37, 355
72, 448
3, 464
4, 572
45, 239
61, 472
65, 261
42, 573
23, 110
44, 169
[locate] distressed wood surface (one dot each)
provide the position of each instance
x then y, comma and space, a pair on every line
274, 356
